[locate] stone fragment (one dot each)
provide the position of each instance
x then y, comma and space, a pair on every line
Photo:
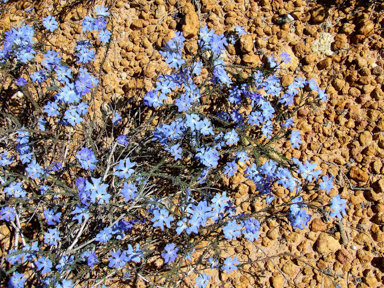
358, 175
317, 225
377, 71
319, 14
160, 12
338, 84
286, 80
246, 43
353, 91
290, 269
366, 27
365, 138
343, 256
300, 49
326, 63
191, 24
362, 239
361, 62
326, 244
311, 58
251, 59
277, 281
377, 234
137, 24
377, 94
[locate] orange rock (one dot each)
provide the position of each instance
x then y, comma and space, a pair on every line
343, 256
359, 175
191, 25
317, 225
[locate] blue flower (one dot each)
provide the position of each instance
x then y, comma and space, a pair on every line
51, 109
295, 139
4, 160
161, 217
87, 158
252, 227
14, 189
8, 214
50, 23
116, 118
338, 205
101, 11
230, 264
51, 217
306, 170
126, 170
117, 260
171, 253
98, 191
44, 264
231, 137
122, 139
175, 150
82, 211
21, 81
128, 191
104, 235
34, 170
51, 237
285, 57
85, 55
17, 280
230, 169
232, 230
104, 36
203, 280
327, 184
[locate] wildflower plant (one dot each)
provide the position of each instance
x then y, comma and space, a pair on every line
101, 208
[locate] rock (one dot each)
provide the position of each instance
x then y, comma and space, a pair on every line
301, 49
363, 256
365, 138
286, 80
290, 269
260, 43
137, 24
379, 185
191, 24
377, 71
370, 279
119, 4
366, 28
317, 225
326, 244
311, 58
319, 14
326, 63
361, 62
358, 175
363, 239
343, 256
347, 28
246, 44
377, 234
341, 42
251, 59
338, 84
277, 281
160, 12
377, 94
151, 70
354, 92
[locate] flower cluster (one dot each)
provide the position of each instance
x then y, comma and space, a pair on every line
95, 200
